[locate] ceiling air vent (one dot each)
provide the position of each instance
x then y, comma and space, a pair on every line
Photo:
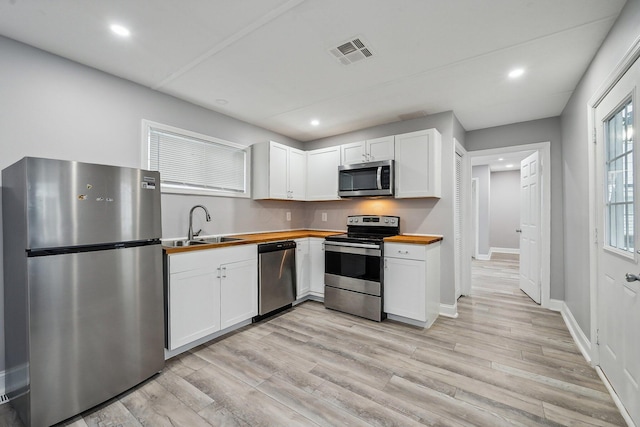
351, 51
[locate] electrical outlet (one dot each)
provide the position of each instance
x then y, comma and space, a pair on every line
288, 216
324, 217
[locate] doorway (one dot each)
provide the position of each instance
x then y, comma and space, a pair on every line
513, 156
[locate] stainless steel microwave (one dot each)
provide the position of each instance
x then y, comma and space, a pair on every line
366, 179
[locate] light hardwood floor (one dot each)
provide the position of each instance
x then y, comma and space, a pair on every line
503, 361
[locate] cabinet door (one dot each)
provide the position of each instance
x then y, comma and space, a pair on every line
353, 153
238, 292
194, 305
278, 163
297, 178
417, 164
322, 173
405, 288
316, 256
380, 149
303, 266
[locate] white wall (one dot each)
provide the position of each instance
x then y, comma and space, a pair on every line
528, 133
504, 216
430, 216
52, 107
483, 173
575, 146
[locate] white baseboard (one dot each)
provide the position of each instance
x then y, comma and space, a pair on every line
449, 310
504, 251
581, 340
483, 257
555, 305
616, 399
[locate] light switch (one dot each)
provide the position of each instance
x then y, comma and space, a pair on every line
288, 216
324, 217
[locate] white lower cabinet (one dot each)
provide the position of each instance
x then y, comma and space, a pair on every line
238, 292
316, 272
412, 282
303, 267
209, 290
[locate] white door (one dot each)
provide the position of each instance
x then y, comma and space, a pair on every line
618, 246
530, 226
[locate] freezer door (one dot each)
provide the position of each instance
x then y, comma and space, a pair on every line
72, 204
96, 325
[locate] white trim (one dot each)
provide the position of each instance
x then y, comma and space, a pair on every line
483, 257
449, 310
476, 215
409, 321
614, 396
556, 305
168, 354
544, 150
581, 340
3, 375
493, 250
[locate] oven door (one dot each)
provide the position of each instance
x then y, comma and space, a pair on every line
353, 266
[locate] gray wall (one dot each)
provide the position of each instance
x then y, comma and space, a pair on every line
52, 107
483, 173
504, 217
418, 216
527, 133
575, 146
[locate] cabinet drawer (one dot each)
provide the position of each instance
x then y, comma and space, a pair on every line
405, 251
187, 261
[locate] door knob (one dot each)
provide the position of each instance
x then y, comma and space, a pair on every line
632, 277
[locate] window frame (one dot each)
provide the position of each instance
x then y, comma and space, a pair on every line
172, 188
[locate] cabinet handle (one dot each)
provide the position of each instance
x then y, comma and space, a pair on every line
224, 272
323, 246
385, 264
403, 252
218, 273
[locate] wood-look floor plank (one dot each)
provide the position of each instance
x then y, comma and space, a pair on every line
503, 361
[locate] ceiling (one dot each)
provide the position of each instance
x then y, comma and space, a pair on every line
506, 161
267, 62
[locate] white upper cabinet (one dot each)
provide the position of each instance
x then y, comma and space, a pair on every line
322, 173
279, 172
371, 150
418, 158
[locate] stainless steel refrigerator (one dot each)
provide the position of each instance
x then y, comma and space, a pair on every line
84, 316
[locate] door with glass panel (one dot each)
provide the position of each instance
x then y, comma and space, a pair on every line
618, 184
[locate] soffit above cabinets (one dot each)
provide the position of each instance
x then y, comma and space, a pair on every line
267, 62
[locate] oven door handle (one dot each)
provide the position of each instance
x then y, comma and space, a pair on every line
352, 248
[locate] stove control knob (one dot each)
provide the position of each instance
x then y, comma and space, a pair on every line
386, 221
355, 220
350, 219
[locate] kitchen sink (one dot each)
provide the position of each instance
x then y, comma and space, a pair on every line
217, 239
203, 241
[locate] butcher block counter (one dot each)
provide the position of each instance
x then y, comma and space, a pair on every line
413, 239
244, 239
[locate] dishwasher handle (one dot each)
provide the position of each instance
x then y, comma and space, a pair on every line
276, 246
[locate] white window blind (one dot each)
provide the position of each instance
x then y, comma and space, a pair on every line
190, 162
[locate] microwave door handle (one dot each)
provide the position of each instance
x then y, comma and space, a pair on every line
379, 178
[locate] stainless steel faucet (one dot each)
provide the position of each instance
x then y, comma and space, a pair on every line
190, 233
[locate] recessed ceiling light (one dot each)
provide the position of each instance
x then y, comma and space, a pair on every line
509, 165
514, 74
120, 30
315, 122
500, 159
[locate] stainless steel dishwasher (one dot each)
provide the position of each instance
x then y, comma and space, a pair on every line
276, 277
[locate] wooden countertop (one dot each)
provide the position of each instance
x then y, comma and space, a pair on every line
416, 240
253, 238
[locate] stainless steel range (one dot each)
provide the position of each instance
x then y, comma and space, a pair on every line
354, 279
